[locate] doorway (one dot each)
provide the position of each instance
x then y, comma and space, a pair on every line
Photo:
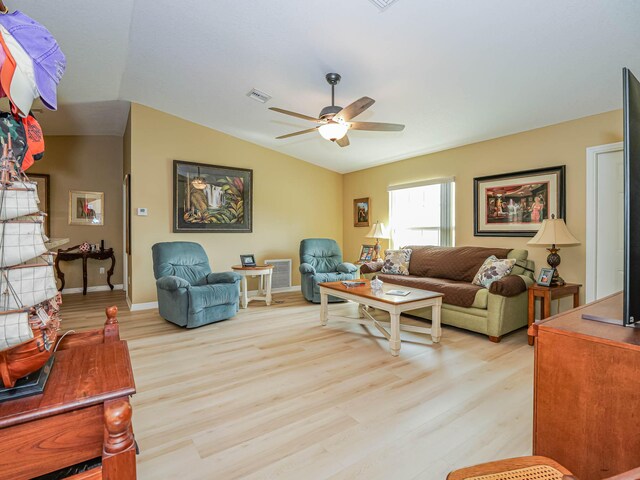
605, 221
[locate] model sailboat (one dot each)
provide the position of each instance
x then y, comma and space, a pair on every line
29, 299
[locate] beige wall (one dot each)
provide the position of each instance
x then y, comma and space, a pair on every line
562, 144
92, 163
292, 199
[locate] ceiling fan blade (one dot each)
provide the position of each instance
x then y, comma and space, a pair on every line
376, 127
309, 130
355, 109
343, 142
294, 114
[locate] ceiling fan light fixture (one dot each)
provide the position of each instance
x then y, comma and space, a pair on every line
333, 130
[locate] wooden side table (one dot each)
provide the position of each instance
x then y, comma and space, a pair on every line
84, 412
546, 294
71, 254
264, 287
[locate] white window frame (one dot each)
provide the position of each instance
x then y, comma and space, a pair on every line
447, 212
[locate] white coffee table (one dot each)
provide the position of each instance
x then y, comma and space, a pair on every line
264, 285
394, 305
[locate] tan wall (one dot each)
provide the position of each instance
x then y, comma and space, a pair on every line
562, 144
92, 163
292, 199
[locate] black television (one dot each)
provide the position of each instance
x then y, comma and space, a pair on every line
631, 102
630, 310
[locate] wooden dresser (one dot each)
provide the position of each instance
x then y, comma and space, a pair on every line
83, 414
587, 391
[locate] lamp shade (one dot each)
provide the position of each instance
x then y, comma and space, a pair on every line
378, 231
554, 232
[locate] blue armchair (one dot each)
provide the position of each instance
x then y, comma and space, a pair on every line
190, 295
321, 261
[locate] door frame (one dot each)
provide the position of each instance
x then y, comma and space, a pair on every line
592, 214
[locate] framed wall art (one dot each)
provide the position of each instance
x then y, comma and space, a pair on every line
515, 204
361, 212
86, 208
42, 186
211, 198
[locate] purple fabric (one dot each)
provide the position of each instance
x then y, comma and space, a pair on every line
49, 63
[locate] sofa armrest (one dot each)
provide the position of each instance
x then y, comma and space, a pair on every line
307, 268
371, 267
509, 286
172, 283
223, 277
346, 267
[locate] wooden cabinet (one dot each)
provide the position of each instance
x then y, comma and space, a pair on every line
84, 412
587, 392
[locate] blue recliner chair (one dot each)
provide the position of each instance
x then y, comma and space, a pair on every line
321, 261
190, 295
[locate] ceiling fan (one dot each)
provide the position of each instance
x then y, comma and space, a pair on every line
334, 122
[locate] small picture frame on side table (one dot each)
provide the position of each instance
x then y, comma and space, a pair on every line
366, 253
545, 277
248, 260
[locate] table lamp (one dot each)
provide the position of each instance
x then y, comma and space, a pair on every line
554, 232
377, 231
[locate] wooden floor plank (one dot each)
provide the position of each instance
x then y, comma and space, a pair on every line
270, 394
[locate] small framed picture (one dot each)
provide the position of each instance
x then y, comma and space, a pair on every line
86, 208
361, 211
248, 260
545, 277
366, 253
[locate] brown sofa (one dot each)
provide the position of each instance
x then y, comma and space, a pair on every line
450, 270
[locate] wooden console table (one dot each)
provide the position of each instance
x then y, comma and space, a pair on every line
586, 391
72, 253
83, 414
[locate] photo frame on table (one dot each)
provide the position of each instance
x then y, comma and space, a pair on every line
362, 212
212, 198
366, 253
515, 204
42, 182
248, 260
545, 277
86, 208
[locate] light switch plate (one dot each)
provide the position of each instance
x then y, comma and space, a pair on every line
143, 212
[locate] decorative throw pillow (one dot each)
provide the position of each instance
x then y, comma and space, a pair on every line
493, 269
396, 262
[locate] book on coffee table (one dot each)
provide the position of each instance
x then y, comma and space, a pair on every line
402, 293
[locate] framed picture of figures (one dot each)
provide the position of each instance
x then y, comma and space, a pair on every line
515, 204
42, 186
211, 198
86, 208
361, 212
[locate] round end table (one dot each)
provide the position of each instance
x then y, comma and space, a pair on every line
264, 286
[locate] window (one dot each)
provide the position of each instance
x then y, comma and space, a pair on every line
422, 213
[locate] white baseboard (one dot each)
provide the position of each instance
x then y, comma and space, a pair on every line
135, 307
99, 288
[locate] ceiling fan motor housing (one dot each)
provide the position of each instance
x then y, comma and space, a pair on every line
331, 110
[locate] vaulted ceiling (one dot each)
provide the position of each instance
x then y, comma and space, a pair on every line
454, 72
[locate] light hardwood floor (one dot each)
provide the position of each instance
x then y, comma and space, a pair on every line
272, 394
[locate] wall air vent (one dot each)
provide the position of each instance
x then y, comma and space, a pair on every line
259, 96
383, 4
281, 272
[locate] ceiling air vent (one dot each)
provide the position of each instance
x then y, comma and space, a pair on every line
259, 96
383, 4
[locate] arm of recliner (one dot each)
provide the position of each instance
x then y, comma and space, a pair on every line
172, 283
346, 267
307, 268
223, 277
